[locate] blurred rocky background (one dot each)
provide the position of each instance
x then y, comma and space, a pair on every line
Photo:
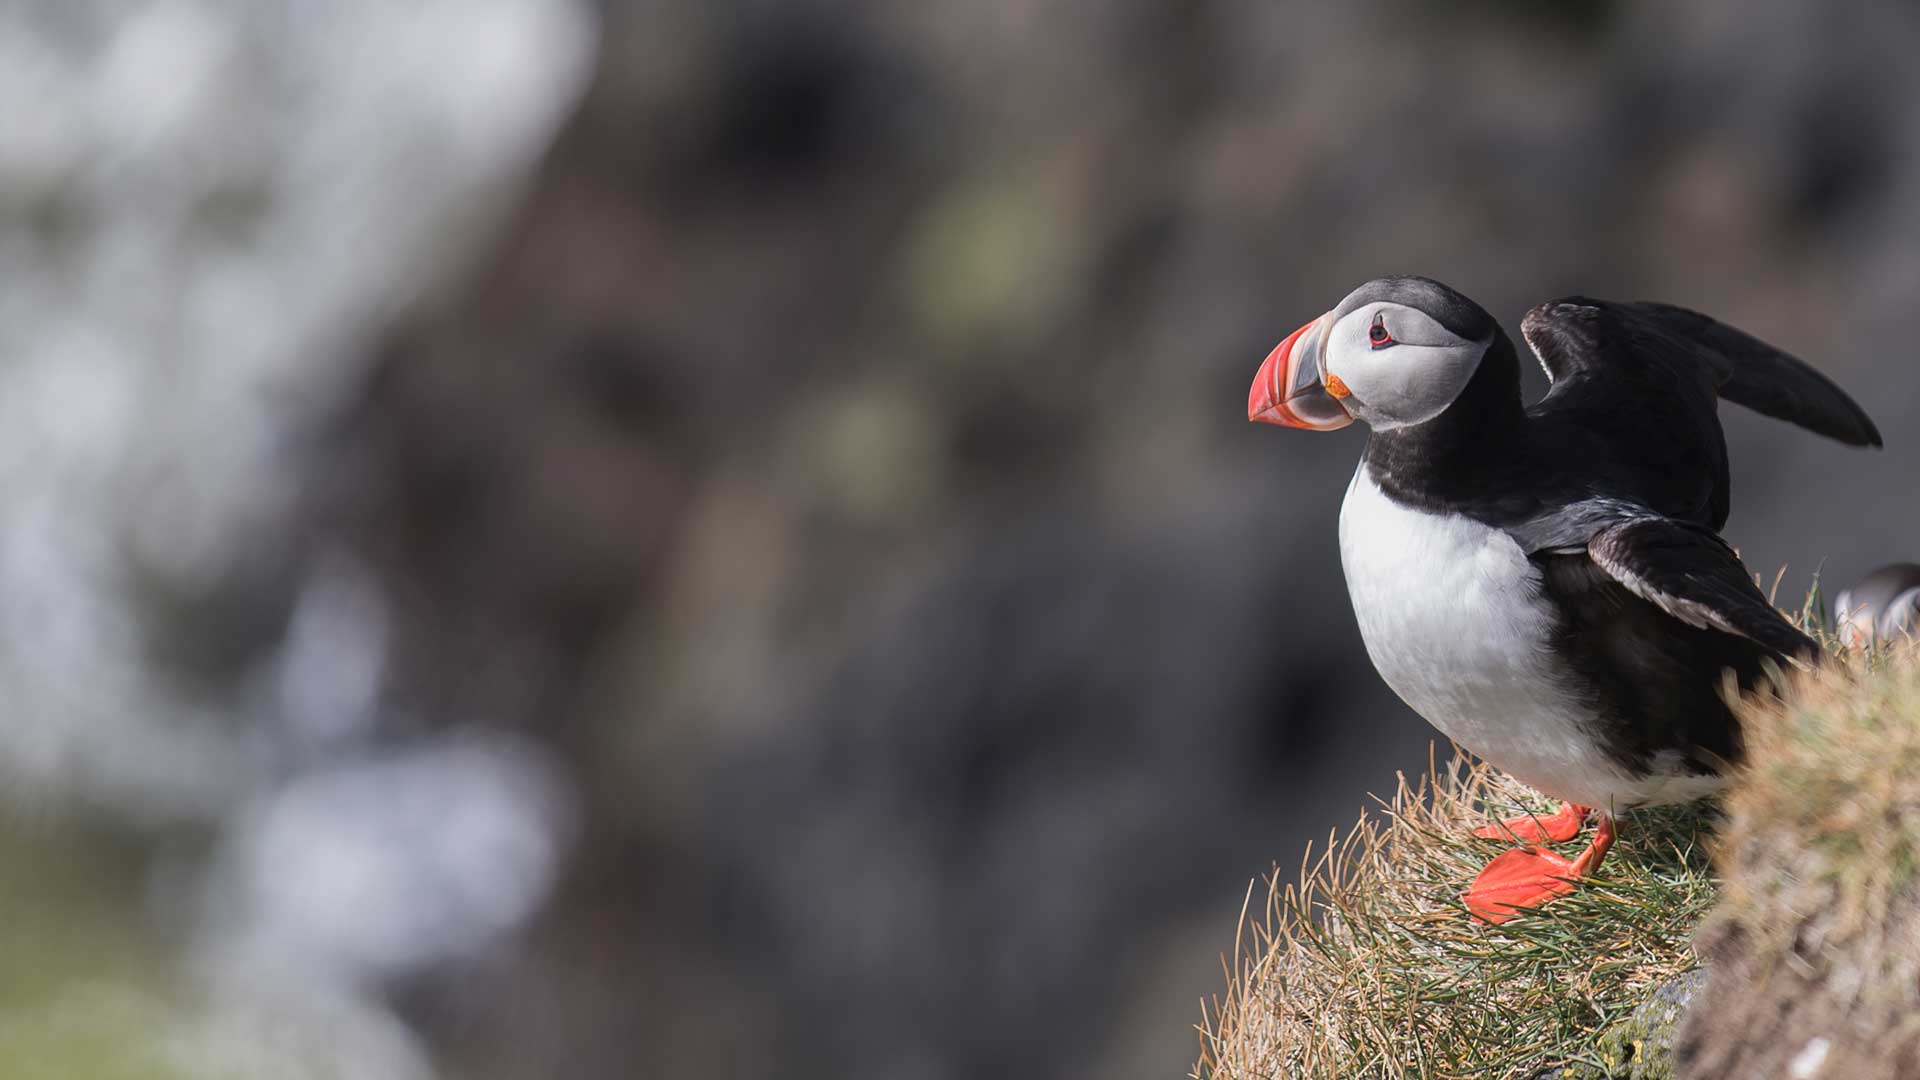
680, 538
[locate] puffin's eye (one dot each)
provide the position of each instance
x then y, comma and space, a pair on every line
1377, 333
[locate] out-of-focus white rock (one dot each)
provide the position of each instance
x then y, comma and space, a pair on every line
378, 866
207, 207
208, 210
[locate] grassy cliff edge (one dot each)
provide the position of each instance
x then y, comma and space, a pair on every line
1366, 965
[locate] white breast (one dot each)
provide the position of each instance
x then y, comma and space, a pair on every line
1453, 617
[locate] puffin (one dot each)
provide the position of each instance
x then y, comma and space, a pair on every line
1882, 607
1546, 584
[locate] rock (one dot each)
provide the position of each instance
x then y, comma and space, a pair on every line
1640, 1047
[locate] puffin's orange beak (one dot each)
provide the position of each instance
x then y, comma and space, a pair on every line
1289, 389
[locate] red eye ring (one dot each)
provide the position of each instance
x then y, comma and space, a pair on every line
1377, 333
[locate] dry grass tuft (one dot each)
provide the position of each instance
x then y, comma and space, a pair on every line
1369, 966
1834, 771
1816, 943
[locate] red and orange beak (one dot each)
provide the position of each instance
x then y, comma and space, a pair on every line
1291, 389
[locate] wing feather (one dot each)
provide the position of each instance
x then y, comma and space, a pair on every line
1578, 336
1689, 572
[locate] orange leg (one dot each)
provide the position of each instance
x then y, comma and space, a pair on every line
1558, 827
1528, 877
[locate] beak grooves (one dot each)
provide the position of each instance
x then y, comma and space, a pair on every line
1288, 390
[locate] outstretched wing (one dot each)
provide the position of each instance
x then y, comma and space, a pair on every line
1687, 571
1579, 336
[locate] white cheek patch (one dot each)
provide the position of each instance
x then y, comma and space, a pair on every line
1411, 384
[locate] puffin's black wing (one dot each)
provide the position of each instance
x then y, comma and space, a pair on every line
1580, 336
1687, 571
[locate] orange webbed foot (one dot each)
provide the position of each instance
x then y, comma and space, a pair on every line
1529, 877
1518, 879
1558, 827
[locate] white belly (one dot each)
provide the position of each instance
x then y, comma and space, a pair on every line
1453, 617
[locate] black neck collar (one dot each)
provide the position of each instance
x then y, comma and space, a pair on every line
1460, 454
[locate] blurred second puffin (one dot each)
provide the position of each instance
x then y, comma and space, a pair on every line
1883, 606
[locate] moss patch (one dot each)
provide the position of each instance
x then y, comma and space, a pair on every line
1817, 973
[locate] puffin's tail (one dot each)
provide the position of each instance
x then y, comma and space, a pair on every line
1755, 374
